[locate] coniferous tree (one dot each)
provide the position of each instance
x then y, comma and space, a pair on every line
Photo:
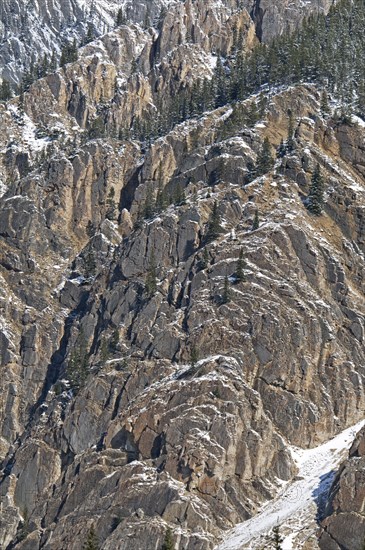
161, 198
265, 161
5, 90
204, 259
315, 199
53, 62
90, 229
91, 542
111, 206
121, 18
281, 151
277, 538
148, 210
77, 367
256, 221
214, 224
325, 108
241, 265
21, 108
194, 356
168, 543
226, 297
69, 53
151, 283
290, 141
90, 33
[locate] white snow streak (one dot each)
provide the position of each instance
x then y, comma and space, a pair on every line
317, 468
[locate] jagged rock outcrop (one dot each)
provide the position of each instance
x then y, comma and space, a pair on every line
27, 31
344, 524
274, 18
133, 409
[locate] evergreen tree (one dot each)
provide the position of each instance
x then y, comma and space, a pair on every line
21, 108
325, 108
5, 90
69, 53
53, 62
214, 225
111, 207
91, 542
262, 105
151, 284
77, 367
277, 538
121, 18
241, 265
90, 33
90, 229
168, 543
265, 161
148, 210
315, 199
290, 141
281, 151
227, 294
194, 356
220, 80
161, 198
256, 221
204, 259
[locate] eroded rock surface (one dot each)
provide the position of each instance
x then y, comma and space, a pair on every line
133, 410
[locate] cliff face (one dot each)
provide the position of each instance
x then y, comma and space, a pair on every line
274, 18
28, 31
135, 393
344, 524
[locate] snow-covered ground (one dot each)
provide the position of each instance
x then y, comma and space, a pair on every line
296, 507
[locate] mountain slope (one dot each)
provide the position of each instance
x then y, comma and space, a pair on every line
144, 384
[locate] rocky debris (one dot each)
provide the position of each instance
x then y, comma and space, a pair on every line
343, 526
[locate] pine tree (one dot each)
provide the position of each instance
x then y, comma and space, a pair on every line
262, 105
5, 90
315, 199
256, 221
325, 108
168, 543
151, 284
227, 294
281, 151
194, 356
111, 206
265, 161
214, 225
241, 265
277, 538
121, 18
290, 144
91, 542
90, 33
204, 259
161, 198
90, 229
148, 209
77, 367
53, 62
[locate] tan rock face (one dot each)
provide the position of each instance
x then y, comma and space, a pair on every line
187, 400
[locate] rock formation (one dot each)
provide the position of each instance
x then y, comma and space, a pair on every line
344, 524
135, 394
